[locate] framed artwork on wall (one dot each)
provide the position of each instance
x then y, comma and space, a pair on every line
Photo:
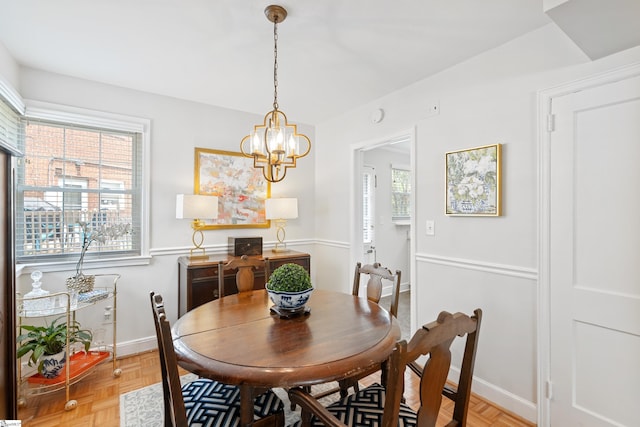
473, 181
241, 189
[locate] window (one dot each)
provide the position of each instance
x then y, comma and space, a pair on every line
78, 176
400, 194
367, 206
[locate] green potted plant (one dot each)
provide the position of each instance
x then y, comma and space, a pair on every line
47, 344
289, 286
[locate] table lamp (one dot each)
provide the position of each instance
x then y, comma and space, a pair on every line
197, 208
279, 210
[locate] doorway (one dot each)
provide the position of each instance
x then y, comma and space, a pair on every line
384, 205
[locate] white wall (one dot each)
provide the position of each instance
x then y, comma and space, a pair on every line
177, 127
470, 262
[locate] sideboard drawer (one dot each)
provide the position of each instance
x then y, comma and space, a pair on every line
204, 273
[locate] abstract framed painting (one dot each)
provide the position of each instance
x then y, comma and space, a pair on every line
473, 181
241, 189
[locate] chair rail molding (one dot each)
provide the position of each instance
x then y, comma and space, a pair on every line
487, 267
332, 243
222, 248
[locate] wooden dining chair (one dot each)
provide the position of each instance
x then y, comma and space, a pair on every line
383, 406
376, 276
245, 275
460, 394
203, 401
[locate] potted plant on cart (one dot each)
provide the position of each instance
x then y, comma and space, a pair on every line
289, 287
47, 344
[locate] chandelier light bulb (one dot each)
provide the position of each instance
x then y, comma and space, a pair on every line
279, 138
256, 144
293, 146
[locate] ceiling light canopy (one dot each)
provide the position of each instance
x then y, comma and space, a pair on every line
275, 145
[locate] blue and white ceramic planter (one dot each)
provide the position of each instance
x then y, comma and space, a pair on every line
289, 300
51, 365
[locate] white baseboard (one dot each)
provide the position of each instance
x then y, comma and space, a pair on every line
386, 290
504, 399
141, 345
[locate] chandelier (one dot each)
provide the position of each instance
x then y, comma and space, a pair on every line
275, 145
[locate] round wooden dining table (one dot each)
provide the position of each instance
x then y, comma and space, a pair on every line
238, 340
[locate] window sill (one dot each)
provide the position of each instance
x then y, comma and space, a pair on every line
402, 222
49, 267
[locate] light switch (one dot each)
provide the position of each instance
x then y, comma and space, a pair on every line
431, 227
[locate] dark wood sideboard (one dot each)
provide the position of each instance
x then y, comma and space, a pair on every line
198, 279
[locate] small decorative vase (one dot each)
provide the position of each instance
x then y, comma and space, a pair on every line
51, 365
81, 283
290, 301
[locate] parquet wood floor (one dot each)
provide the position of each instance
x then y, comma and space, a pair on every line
98, 399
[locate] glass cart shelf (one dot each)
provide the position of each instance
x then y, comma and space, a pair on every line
79, 364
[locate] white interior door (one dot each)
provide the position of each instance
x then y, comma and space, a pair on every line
594, 270
368, 215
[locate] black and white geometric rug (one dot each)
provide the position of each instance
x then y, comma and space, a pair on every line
144, 407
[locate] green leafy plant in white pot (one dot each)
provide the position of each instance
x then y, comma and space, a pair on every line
46, 345
289, 287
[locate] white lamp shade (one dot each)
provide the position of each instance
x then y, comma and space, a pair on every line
281, 208
194, 206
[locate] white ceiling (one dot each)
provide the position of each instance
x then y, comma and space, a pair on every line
333, 54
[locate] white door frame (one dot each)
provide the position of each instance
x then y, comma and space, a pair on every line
545, 98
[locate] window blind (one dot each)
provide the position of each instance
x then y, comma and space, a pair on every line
10, 130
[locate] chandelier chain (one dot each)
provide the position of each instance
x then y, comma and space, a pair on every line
275, 63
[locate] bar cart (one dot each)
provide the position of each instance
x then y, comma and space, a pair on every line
45, 307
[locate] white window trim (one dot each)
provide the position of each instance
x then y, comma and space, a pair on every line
11, 95
85, 117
